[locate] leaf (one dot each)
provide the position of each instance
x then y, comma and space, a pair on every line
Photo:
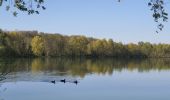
1, 1
37, 12
15, 13
7, 8
43, 8
149, 4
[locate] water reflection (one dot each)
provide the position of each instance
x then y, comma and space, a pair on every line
100, 79
61, 68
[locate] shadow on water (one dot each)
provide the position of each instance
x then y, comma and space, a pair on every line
70, 70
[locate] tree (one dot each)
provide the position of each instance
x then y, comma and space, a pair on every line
110, 47
146, 48
19, 42
78, 45
1, 37
98, 48
54, 45
134, 50
2, 50
38, 46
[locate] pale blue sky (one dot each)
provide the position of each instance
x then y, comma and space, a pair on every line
128, 21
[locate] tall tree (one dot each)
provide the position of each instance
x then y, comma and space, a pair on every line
38, 46
78, 45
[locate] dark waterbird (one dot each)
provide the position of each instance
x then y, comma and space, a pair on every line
76, 82
53, 82
64, 80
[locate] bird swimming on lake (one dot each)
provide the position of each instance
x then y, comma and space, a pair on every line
64, 80
53, 81
76, 82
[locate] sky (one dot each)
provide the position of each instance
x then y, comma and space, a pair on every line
129, 21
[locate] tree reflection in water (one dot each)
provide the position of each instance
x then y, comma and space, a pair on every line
55, 70
47, 70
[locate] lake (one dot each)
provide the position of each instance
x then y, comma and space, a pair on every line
98, 79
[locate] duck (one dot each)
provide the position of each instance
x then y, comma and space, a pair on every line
76, 82
53, 81
64, 80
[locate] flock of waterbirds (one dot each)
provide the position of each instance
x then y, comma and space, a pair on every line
2, 77
65, 81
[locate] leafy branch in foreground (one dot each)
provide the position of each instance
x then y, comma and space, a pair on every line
29, 6
33, 7
159, 13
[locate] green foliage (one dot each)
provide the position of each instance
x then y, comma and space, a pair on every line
2, 50
159, 13
33, 7
78, 45
54, 44
29, 6
2, 36
32, 43
19, 43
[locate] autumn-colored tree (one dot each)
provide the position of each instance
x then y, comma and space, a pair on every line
38, 46
78, 45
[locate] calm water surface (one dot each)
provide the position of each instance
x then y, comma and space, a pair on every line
100, 79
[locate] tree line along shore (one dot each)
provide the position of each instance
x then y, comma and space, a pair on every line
38, 44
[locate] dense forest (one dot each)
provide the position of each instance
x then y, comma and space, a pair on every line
33, 43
